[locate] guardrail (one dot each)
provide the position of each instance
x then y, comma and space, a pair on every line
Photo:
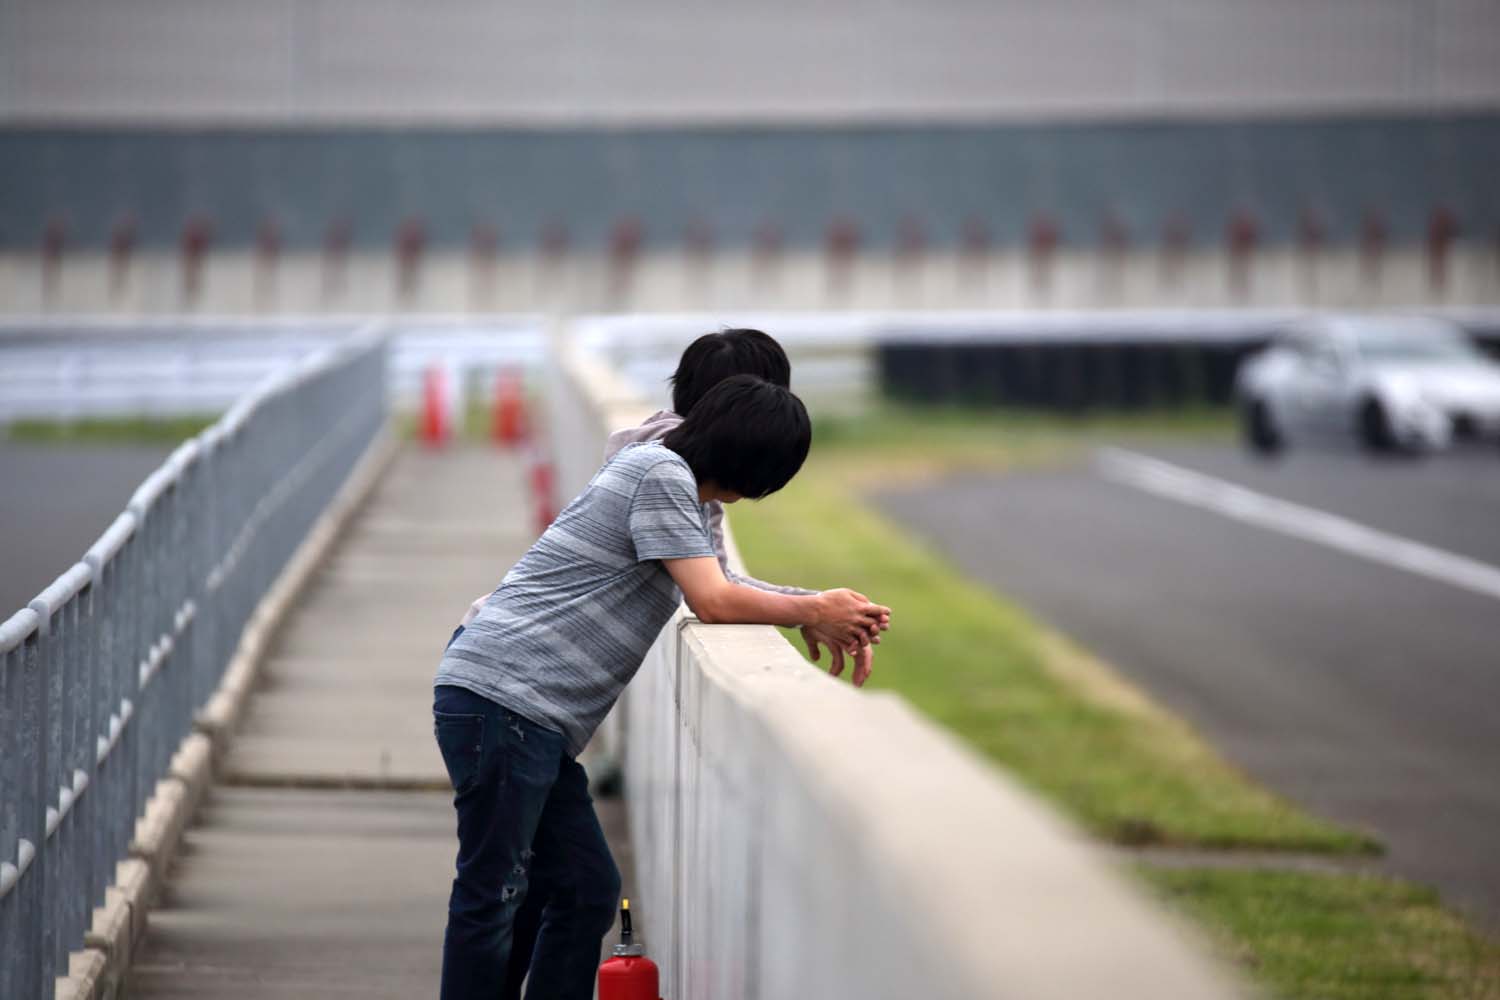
795, 837
101, 676
70, 368
1058, 359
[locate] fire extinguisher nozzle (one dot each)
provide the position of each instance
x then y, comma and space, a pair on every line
627, 945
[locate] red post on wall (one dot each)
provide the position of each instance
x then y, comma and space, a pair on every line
698, 242
698, 250
1442, 231
1311, 235
197, 237
911, 247
1042, 239
1311, 232
1372, 239
484, 259
1240, 238
765, 253
552, 247
1114, 235
122, 237
625, 240
1176, 237
1114, 242
267, 255
973, 250
411, 241
54, 246
842, 244
554, 241
698, 254
336, 241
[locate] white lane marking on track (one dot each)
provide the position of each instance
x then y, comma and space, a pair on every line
1186, 486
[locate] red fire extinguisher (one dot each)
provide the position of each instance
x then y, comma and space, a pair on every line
629, 975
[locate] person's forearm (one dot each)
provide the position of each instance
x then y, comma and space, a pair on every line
770, 588
736, 604
716, 532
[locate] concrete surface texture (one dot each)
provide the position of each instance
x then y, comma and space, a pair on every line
1354, 686
322, 859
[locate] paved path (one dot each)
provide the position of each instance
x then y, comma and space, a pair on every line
1360, 689
320, 866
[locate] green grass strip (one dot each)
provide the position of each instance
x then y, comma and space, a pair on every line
108, 430
981, 666
1336, 936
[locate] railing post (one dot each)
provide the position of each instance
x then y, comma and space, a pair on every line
10, 808
23, 732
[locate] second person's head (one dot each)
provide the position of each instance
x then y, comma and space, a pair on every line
714, 357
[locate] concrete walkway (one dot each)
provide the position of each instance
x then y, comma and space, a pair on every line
320, 864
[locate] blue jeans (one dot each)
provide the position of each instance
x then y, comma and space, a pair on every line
524, 813
527, 923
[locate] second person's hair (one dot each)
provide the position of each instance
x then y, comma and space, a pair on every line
714, 357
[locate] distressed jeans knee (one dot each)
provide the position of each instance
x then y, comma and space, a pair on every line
513, 889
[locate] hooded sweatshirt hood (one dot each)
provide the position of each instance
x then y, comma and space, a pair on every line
653, 428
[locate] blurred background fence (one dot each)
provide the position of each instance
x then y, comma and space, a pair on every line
101, 676
75, 369
80, 368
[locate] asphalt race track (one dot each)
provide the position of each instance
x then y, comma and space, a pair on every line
55, 501
1351, 662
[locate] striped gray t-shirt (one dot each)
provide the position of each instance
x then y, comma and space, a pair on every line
568, 627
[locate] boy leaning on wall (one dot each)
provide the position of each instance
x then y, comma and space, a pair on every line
522, 687
707, 361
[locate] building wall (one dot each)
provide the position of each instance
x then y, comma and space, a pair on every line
1074, 121
1003, 181
670, 61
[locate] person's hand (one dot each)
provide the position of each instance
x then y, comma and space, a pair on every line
861, 653
850, 617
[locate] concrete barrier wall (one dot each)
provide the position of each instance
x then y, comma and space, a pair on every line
796, 837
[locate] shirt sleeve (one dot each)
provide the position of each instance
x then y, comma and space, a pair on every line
666, 519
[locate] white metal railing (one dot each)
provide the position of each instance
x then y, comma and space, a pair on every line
100, 676
73, 368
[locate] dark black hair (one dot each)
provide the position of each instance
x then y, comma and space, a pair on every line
745, 435
714, 357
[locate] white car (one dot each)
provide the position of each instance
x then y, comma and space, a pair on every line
1393, 383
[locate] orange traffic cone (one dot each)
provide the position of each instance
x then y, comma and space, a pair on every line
508, 426
543, 490
434, 407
